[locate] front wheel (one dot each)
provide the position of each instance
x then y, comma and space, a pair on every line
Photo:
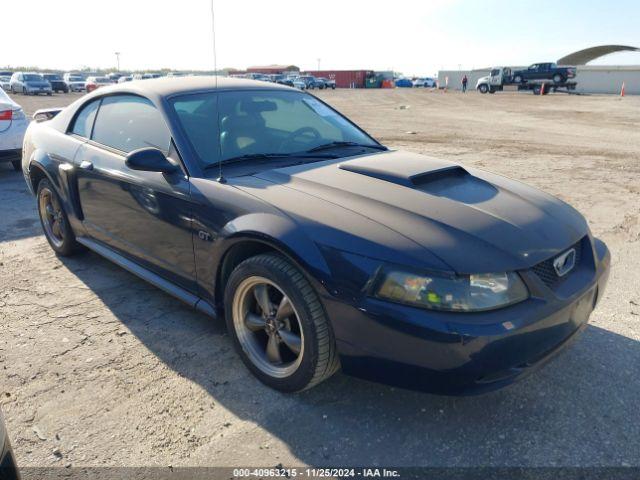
483, 88
54, 221
278, 324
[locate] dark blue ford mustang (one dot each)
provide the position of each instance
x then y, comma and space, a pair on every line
322, 248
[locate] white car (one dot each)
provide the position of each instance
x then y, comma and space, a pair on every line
74, 81
13, 124
426, 82
5, 82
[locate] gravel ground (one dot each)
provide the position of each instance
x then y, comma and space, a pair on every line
99, 368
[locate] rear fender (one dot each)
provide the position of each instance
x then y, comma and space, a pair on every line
62, 177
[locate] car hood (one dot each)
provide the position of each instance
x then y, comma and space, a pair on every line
466, 219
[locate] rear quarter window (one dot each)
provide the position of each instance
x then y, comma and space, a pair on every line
83, 122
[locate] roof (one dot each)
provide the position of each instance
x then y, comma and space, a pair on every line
169, 86
582, 57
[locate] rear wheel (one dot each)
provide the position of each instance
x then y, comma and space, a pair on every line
557, 78
54, 221
278, 325
517, 79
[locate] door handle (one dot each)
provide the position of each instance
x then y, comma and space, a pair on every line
86, 165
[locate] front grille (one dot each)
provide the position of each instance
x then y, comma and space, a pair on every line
547, 273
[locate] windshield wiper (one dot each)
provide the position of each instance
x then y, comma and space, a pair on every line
330, 145
268, 156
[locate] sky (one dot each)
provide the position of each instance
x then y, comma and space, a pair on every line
412, 37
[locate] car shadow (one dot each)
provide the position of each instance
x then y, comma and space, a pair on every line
581, 409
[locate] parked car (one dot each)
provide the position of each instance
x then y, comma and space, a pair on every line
319, 246
8, 467
281, 79
305, 82
13, 124
29, 83
426, 82
317, 83
114, 76
56, 81
544, 71
145, 76
125, 78
94, 83
75, 82
327, 83
5, 82
403, 83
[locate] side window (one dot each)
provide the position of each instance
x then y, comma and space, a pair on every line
129, 122
84, 120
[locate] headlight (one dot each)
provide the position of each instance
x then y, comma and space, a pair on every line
466, 293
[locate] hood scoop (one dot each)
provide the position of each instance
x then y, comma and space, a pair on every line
406, 169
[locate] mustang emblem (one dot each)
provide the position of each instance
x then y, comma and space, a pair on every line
565, 262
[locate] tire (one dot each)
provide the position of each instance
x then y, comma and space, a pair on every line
517, 79
537, 89
62, 240
24, 91
483, 88
252, 333
17, 165
492, 91
557, 78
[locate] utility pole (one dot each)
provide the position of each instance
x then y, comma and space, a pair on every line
118, 60
318, 64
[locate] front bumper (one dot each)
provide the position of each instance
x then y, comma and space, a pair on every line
37, 90
466, 353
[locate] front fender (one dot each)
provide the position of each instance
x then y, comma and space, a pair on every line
264, 231
283, 234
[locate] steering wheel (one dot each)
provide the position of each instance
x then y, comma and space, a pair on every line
298, 133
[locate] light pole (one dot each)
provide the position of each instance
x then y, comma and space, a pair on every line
318, 64
118, 60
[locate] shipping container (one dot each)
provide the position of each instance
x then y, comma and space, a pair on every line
344, 78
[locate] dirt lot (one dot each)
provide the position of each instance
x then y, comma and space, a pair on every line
107, 370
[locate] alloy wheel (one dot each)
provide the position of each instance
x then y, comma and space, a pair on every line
268, 327
52, 216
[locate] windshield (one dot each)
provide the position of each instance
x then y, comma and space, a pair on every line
261, 122
32, 77
102, 80
76, 79
52, 77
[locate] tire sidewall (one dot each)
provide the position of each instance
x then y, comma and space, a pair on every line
299, 379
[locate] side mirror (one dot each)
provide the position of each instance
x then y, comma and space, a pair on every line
149, 160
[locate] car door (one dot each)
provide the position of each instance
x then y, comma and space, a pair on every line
143, 215
544, 71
